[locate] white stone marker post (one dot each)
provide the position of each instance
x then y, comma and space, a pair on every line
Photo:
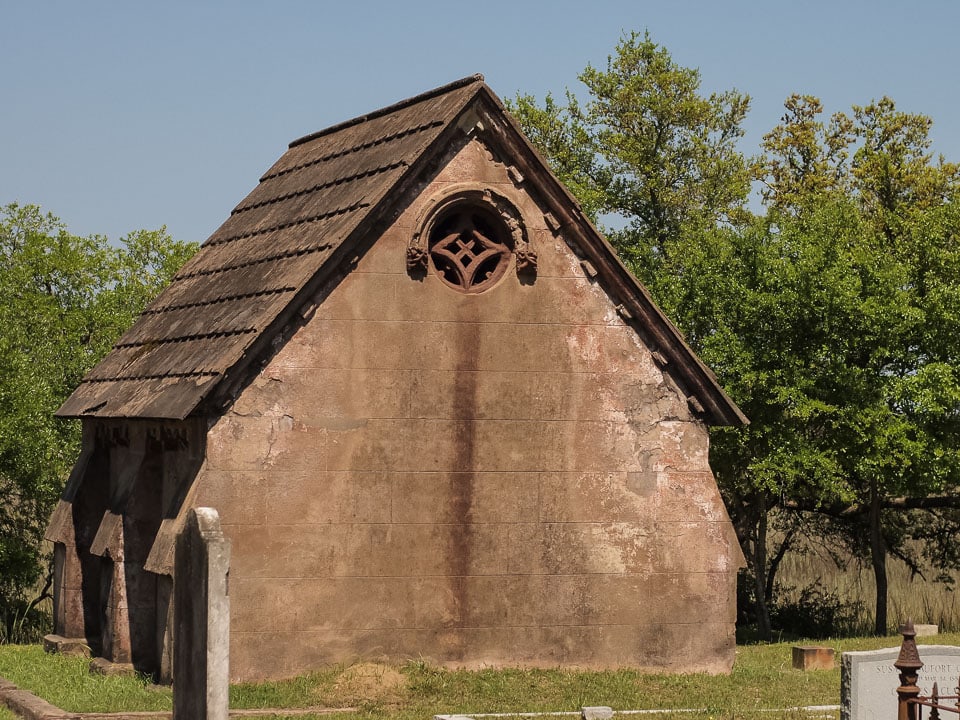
201, 619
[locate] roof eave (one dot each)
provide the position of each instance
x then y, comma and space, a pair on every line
718, 408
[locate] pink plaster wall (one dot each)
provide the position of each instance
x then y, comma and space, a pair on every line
504, 478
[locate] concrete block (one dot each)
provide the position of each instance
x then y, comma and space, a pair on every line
231, 491
371, 550
580, 548
66, 646
689, 646
363, 296
466, 395
264, 551
604, 447
388, 255
549, 300
612, 496
683, 496
26, 705
458, 497
102, 666
812, 657
321, 497
630, 599
248, 443
926, 630
556, 259
347, 604
694, 547
472, 163
596, 712
547, 600
295, 652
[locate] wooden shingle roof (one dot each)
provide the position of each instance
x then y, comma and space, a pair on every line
248, 272
255, 272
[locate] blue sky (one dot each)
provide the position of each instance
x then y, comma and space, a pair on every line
126, 115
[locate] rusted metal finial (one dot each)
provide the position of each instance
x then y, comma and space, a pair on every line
908, 664
909, 657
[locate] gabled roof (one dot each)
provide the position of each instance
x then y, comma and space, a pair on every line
225, 307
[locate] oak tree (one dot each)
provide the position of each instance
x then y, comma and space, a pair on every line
64, 300
830, 318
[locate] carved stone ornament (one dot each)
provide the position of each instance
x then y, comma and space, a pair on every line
416, 258
467, 237
526, 261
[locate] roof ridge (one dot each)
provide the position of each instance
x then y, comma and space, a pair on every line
443, 89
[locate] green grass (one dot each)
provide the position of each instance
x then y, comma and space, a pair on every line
762, 679
67, 683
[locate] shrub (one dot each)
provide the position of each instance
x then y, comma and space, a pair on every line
815, 613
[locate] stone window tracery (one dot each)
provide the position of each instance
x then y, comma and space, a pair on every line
467, 238
469, 249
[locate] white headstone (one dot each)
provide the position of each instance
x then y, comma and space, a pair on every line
201, 616
869, 681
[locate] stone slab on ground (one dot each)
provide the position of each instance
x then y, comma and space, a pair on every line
102, 666
596, 712
868, 679
808, 710
926, 630
30, 707
66, 646
27, 705
812, 657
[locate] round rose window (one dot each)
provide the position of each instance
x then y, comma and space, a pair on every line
469, 247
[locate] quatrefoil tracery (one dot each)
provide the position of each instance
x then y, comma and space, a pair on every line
466, 253
468, 249
467, 237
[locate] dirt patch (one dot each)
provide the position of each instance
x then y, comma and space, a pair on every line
370, 682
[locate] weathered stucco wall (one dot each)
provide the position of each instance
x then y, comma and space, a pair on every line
500, 478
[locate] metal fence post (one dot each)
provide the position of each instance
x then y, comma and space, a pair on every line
908, 664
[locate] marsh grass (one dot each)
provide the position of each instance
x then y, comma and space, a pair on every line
923, 600
762, 679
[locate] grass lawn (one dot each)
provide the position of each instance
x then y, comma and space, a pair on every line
762, 679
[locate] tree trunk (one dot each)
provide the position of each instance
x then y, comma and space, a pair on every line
775, 561
878, 557
760, 574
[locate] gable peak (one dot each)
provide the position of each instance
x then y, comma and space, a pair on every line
442, 90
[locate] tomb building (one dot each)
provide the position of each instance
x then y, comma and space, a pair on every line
437, 416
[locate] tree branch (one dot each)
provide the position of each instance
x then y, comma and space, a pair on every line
839, 510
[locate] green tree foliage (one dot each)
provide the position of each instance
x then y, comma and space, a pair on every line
646, 146
898, 340
568, 147
64, 300
832, 319
804, 158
